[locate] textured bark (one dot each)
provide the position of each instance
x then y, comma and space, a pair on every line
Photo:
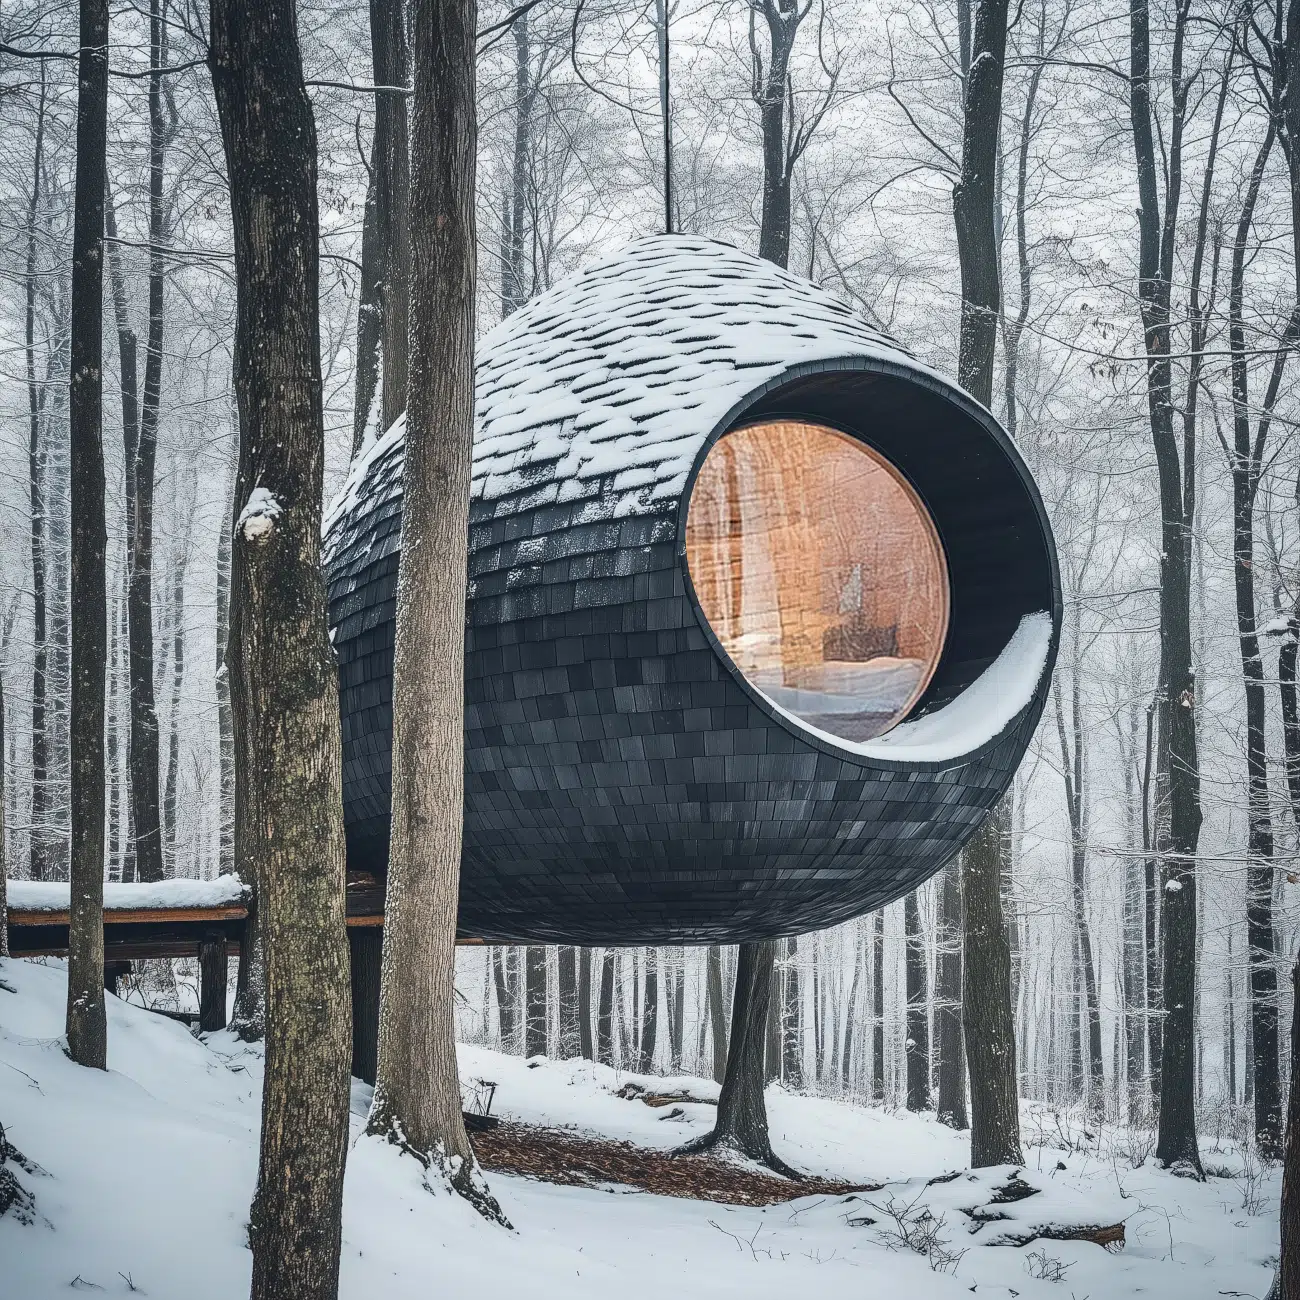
770, 90
650, 1011
86, 1028
605, 1010
1286, 1285
534, 1000
370, 328
987, 1015
717, 1010
507, 1018
225, 723
515, 286
663, 18
1074, 774
916, 1028
390, 168
4, 844
677, 1011
283, 670
974, 202
947, 1011
417, 1093
586, 1039
789, 1064
986, 1001
1153, 974
144, 743
878, 1006
212, 982
742, 1111
40, 847
1246, 464
174, 702
567, 986
1176, 1140
847, 1055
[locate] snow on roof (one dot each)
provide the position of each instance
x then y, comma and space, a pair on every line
52, 896
605, 387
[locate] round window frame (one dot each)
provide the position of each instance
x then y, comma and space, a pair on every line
803, 728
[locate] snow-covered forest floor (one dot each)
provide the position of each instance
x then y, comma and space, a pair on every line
145, 1175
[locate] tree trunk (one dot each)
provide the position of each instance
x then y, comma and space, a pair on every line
1286, 1285
534, 1000
790, 1019
771, 92
717, 1010
849, 1032
417, 1096
144, 744
567, 981
212, 982
391, 168
514, 284
41, 856
4, 845
952, 1052
370, 323
284, 677
986, 1001
1246, 464
742, 1112
4, 854
506, 1018
86, 1027
987, 1015
878, 1006
173, 704
916, 1024
605, 1009
1074, 772
1176, 1141
650, 1011
586, 1041
225, 723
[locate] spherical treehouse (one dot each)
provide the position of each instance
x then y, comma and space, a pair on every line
761, 612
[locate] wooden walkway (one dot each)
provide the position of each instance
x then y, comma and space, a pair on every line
161, 927
169, 923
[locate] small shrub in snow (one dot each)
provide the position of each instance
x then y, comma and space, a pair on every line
1046, 1268
907, 1225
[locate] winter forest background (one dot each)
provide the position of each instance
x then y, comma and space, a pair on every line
570, 164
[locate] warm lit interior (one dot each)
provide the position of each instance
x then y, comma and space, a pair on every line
821, 574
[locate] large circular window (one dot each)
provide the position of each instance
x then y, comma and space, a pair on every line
821, 574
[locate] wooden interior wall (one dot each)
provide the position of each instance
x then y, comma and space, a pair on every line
805, 547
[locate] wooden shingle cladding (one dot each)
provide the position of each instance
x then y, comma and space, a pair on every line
624, 784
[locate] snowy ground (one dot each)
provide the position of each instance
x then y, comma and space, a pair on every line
147, 1173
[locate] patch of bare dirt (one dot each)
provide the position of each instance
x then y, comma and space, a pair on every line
557, 1156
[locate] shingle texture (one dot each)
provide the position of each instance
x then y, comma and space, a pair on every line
622, 784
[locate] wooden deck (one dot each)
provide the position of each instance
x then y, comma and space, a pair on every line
131, 933
213, 934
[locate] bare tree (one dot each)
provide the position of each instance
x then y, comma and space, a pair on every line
916, 1023
986, 991
86, 1027
417, 1091
283, 671
951, 1104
